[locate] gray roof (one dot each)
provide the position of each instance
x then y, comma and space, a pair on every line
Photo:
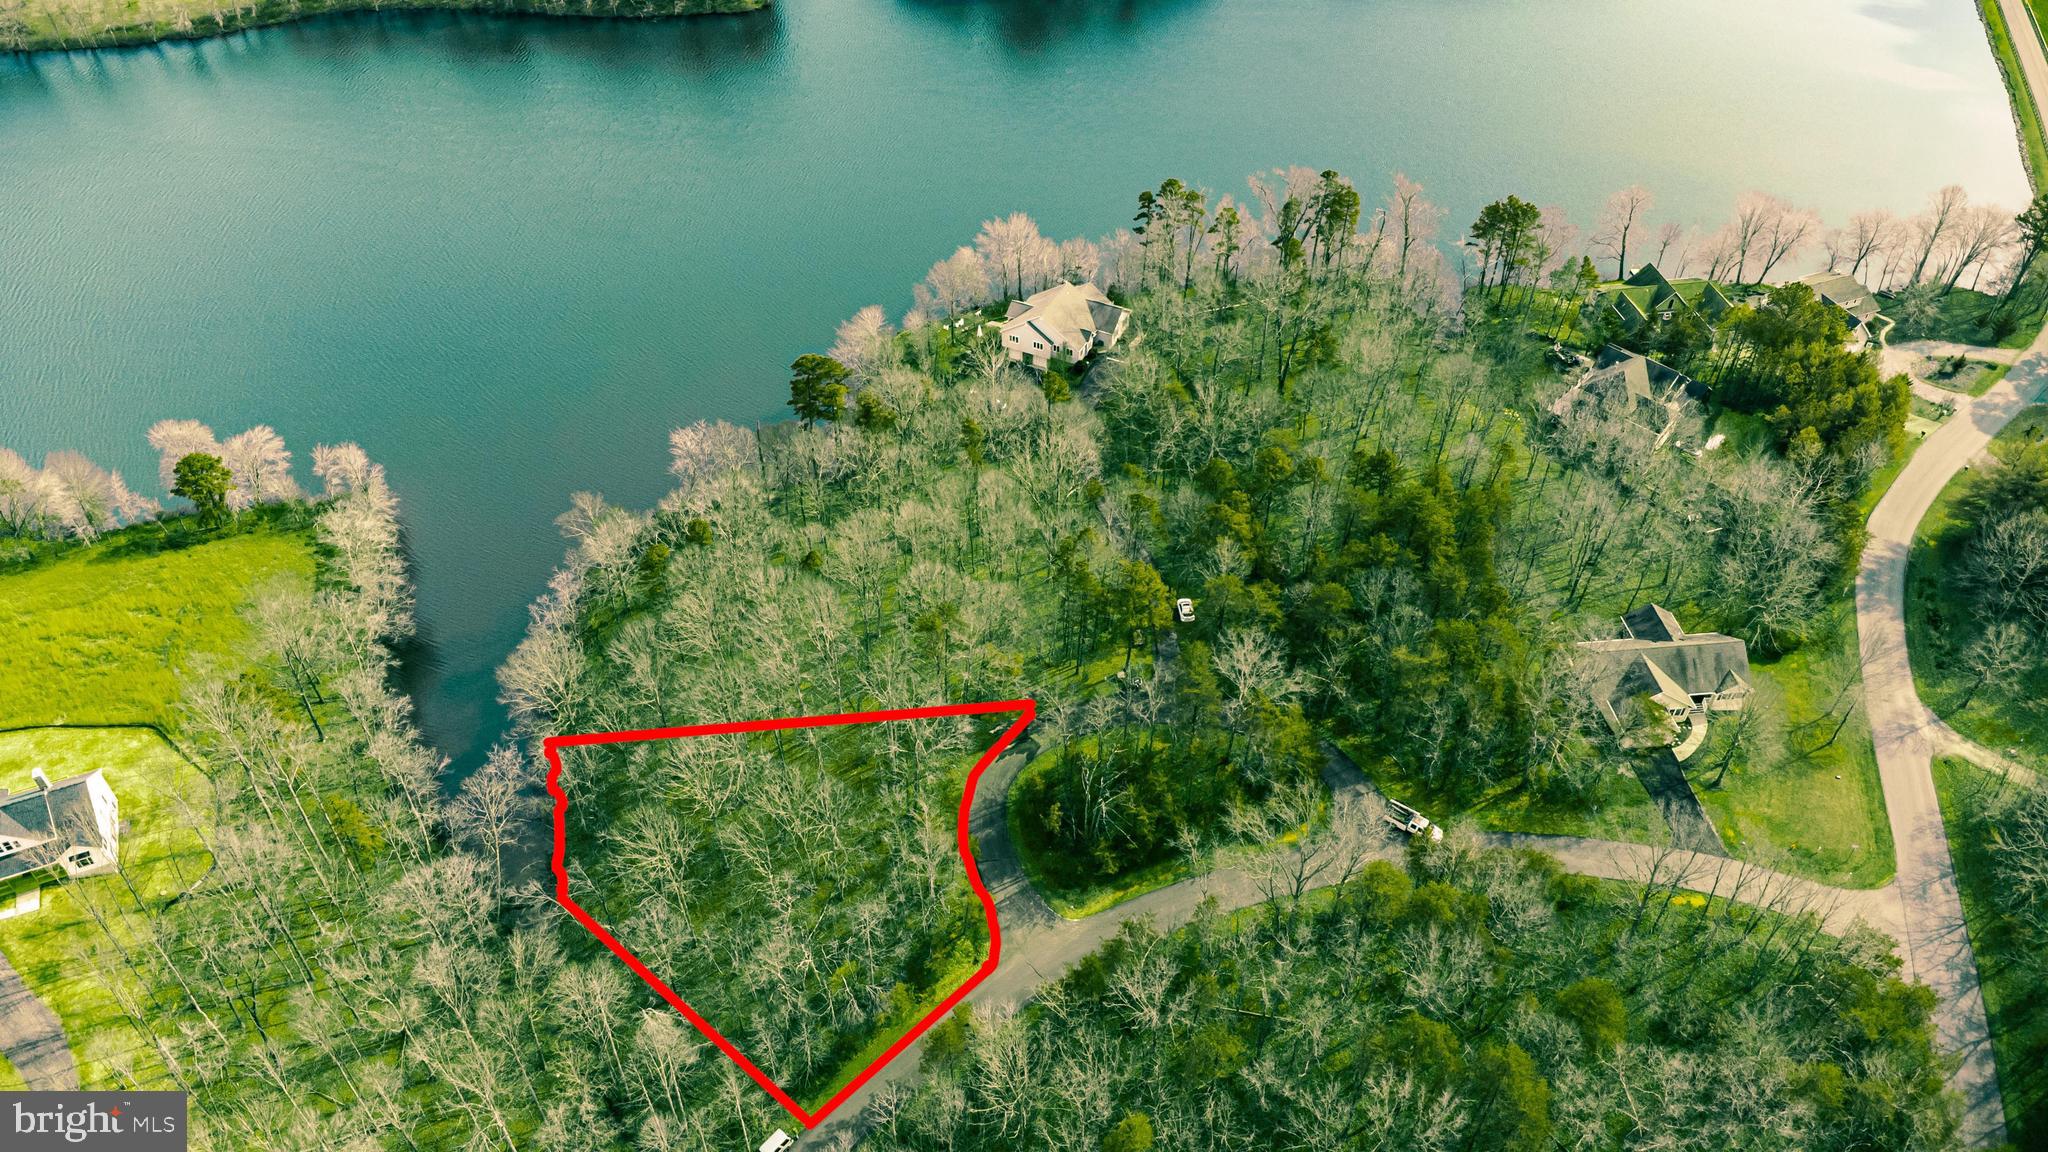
1661, 376
1661, 660
1081, 309
1652, 622
1844, 292
62, 816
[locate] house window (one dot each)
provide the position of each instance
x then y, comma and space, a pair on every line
1014, 339
82, 860
7, 846
1036, 344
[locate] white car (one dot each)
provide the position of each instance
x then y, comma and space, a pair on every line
777, 1142
1184, 610
1410, 821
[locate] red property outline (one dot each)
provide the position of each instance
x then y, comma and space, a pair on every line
552, 746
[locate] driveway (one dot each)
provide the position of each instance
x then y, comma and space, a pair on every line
1663, 777
31, 1036
1936, 947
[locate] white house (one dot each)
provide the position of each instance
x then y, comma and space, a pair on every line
72, 826
1066, 321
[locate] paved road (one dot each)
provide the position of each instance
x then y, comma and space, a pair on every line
1039, 945
31, 1036
1937, 948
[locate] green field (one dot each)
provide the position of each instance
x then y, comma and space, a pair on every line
60, 951
2018, 1009
1966, 316
1789, 812
99, 634
2011, 721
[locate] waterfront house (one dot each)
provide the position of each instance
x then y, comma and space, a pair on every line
1065, 322
1856, 304
1646, 295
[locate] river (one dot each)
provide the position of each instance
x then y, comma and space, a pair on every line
507, 255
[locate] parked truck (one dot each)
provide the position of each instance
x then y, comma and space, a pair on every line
1410, 821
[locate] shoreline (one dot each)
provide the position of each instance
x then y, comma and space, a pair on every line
31, 31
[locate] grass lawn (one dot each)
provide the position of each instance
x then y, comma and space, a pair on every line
2017, 1008
1780, 804
98, 634
10, 1080
2012, 721
1976, 378
1971, 317
1918, 429
162, 855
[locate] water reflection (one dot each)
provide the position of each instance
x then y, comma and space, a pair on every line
687, 45
1037, 25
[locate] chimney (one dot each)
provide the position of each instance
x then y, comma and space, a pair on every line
41, 778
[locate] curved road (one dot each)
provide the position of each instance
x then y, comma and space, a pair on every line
1039, 945
1907, 734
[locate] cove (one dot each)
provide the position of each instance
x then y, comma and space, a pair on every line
508, 255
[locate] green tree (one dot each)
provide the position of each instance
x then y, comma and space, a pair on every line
2033, 229
1133, 1133
1505, 234
1137, 603
817, 388
205, 481
1596, 1007
1511, 1101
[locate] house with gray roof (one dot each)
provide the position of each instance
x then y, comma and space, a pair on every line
1065, 322
1847, 296
1646, 393
1678, 672
69, 828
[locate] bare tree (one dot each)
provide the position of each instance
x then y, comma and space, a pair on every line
1786, 231
1868, 236
954, 284
1668, 235
1012, 247
1619, 220
494, 805
863, 342
343, 467
2001, 650
1932, 227
261, 467
102, 500
1981, 234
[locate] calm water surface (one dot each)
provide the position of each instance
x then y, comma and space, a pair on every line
508, 255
